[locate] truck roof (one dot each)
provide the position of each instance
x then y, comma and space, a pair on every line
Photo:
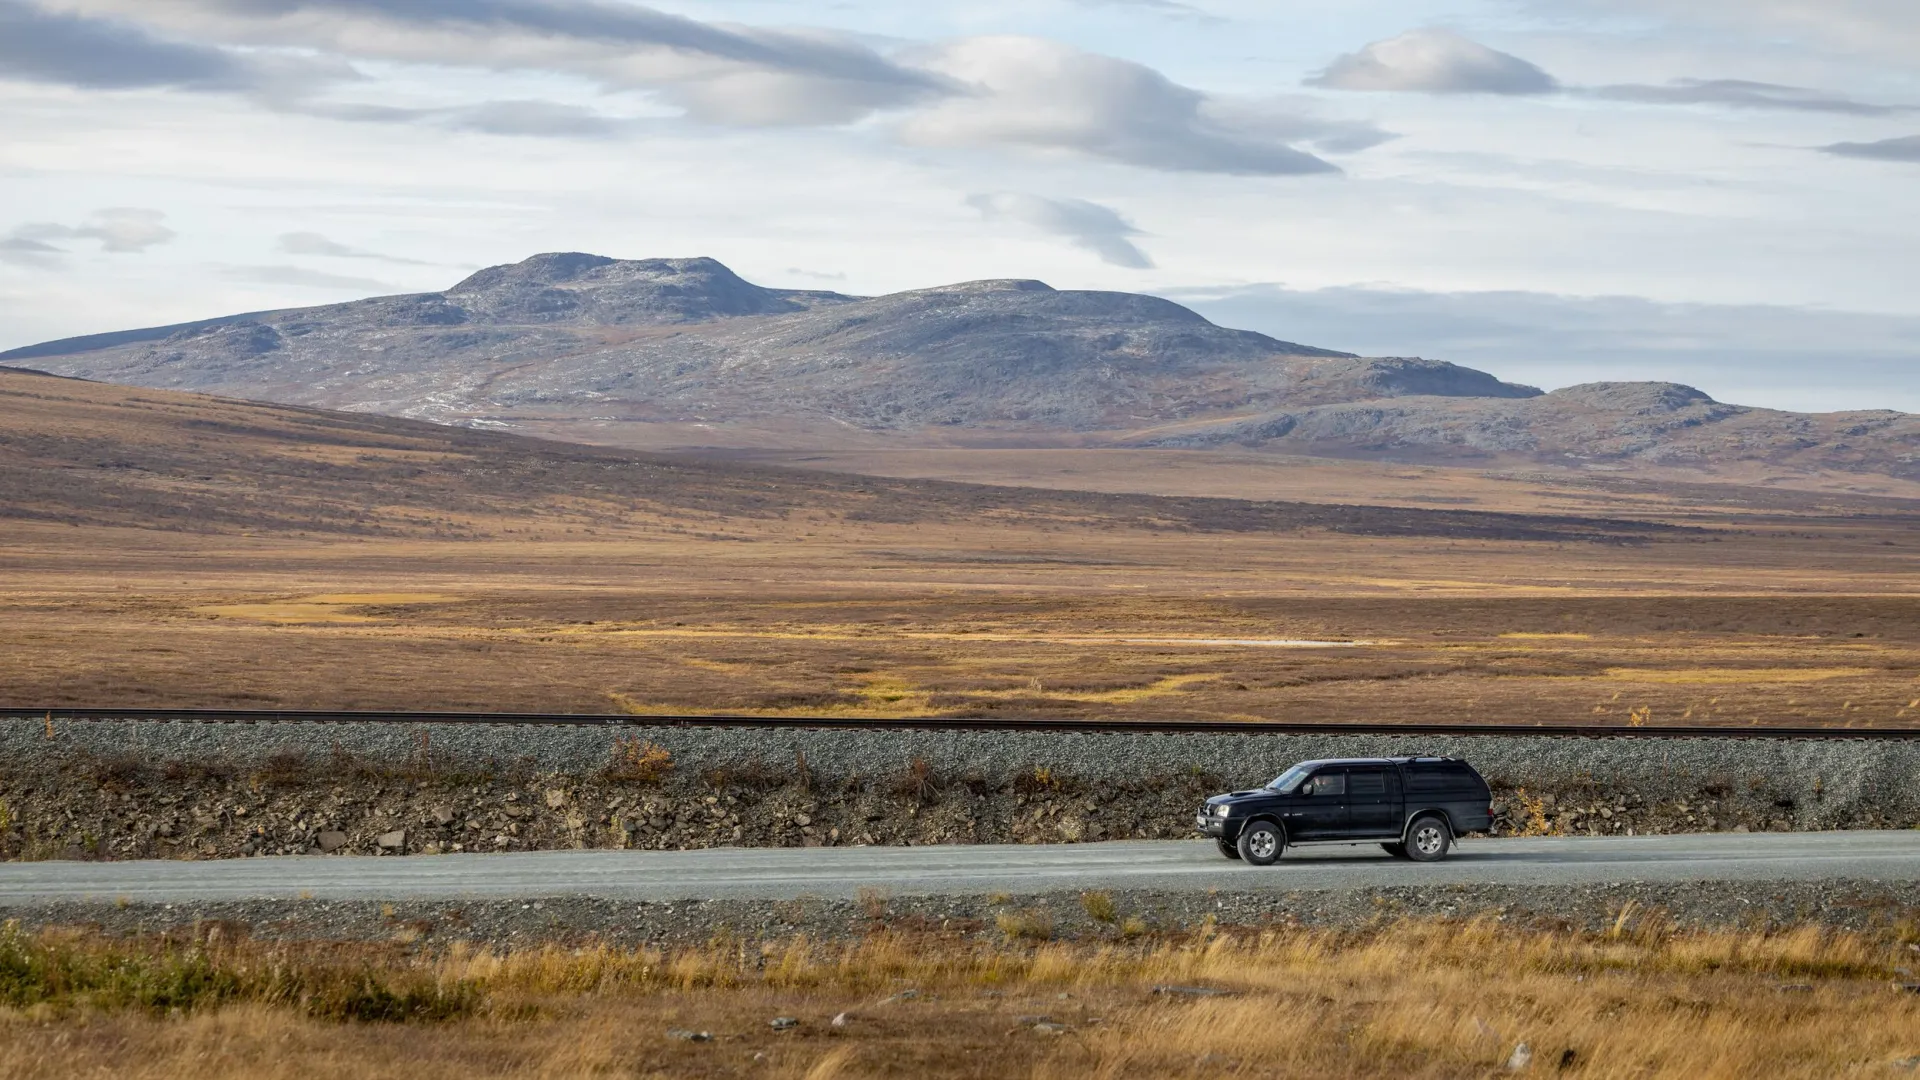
1411, 760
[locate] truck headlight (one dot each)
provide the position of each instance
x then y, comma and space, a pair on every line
1222, 810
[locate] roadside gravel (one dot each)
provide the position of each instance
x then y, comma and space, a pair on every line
1853, 904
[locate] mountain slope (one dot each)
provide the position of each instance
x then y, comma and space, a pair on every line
670, 353
79, 453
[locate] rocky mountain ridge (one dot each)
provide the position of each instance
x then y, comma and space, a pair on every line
684, 352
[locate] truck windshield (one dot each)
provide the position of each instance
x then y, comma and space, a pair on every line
1289, 780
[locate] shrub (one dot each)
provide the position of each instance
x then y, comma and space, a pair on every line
1039, 780
917, 782
1033, 924
1533, 811
640, 762
1099, 906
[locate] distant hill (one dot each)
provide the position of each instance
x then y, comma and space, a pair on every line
95, 455
678, 353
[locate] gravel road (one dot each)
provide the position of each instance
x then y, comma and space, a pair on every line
1019, 870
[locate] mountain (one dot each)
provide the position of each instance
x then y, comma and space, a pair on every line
685, 353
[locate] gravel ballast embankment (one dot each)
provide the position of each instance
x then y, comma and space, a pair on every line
122, 789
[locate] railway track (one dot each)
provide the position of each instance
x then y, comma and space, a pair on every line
1015, 724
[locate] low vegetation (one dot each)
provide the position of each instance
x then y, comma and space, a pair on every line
1435, 999
164, 549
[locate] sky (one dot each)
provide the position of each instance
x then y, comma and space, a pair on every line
1724, 193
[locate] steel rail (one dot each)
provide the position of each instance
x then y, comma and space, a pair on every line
942, 723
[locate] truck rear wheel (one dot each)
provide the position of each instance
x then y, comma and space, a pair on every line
1429, 839
1398, 851
1261, 842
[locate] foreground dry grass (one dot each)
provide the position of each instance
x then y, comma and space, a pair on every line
1413, 999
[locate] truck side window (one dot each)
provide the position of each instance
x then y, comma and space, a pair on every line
1369, 783
1330, 784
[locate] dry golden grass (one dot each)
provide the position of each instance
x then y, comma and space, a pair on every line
296, 559
1410, 999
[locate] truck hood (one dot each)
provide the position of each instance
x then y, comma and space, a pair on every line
1246, 796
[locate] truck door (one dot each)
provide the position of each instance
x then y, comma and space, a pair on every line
1321, 811
1373, 802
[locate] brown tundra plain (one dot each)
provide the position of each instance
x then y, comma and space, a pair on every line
161, 549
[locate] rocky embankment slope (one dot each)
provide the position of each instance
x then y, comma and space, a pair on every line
221, 791
110, 812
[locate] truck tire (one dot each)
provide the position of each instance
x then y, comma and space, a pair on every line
1398, 851
1429, 839
1227, 847
1261, 842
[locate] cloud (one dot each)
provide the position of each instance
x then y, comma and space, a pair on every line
545, 119
1885, 28
1083, 224
1044, 96
1434, 61
1170, 8
1739, 93
72, 50
817, 275
1774, 355
122, 230
312, 243
303, 278
21, 251
1904, 148
721, 74
999, 92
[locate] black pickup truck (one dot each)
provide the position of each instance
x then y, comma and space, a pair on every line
1413, 807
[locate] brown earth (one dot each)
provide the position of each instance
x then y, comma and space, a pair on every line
166, 549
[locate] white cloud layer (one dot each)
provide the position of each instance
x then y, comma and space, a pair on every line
1048, 97
123, 230
1883, 28
1096, 228
300, 277
1434, 60
313, 243
1903, 148
1002, 92
1744, 94
1768, 355
729, 75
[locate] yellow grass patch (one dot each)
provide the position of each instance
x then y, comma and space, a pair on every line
1723, 676
1525, 636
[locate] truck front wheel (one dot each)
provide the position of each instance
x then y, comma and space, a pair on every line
1227, 847
1261, 843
